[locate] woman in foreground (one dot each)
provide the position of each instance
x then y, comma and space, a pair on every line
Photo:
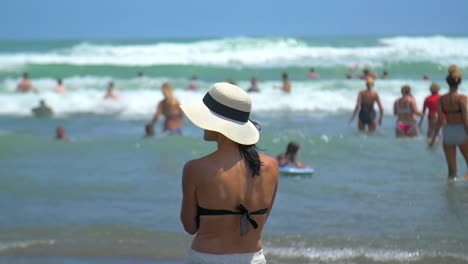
228, 194
453, 105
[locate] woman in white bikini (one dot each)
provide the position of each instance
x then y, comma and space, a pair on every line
406, 110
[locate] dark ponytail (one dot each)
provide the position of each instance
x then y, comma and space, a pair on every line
250, 155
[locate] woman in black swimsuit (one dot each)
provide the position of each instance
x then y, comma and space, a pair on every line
228, 194
365, 105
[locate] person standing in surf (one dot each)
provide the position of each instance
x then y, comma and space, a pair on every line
228, 194
406, 110
454, 106
170, 108
430, 103
365, 106
286, 86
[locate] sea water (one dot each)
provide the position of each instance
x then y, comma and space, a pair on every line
111, 196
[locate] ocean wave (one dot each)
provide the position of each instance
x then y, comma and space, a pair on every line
5, 246
341, 254
254, 52
138, 98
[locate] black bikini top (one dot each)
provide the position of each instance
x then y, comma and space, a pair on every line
245, 218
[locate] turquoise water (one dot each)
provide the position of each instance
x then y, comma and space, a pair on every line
110, 196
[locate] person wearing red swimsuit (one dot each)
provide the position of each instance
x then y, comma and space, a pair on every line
430, 103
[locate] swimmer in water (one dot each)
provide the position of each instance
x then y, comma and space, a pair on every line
193, 83
60, 134
110, 92
286, 87
60, 87
25, 85
170, 108
406, 110
43, 110
313, 74
365, 105
253, 85
290, 156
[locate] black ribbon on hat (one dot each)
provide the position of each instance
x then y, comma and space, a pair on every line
224, 110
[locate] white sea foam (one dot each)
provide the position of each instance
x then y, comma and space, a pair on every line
340, 254
255, 52
138, 98
5, 246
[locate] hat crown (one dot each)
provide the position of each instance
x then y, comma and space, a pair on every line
231, 96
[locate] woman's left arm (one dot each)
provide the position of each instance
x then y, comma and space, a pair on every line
188, 211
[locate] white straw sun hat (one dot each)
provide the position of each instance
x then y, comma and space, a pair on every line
225, 108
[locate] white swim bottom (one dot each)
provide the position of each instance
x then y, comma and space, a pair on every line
455, 135
196, 257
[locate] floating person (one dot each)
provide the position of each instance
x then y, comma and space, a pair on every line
454, 106
110, 92
149, 131
253, 85
365, 105
170, 108
193, 83
233, 185
43, 110
290, 156
431, 104
384, 75
426, 77
406, 110
60, 87
60, 134
141, 74
286, 86
313, 74
25, 85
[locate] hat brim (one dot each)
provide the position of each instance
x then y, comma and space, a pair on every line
242, 133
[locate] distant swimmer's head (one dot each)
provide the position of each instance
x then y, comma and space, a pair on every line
60, 132
253, 80
284, 76
406, 90
25, 75
292, 148
434, 88
194, 77
110, 86
454, 76
59, 81
312, 70
370, 82
42, 102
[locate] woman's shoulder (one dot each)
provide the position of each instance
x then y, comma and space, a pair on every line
269, 163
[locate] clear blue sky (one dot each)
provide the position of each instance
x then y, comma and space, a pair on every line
109, 19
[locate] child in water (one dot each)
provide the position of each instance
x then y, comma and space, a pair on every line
290, 156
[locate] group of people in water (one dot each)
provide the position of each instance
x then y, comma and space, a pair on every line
227, 195
446, 112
